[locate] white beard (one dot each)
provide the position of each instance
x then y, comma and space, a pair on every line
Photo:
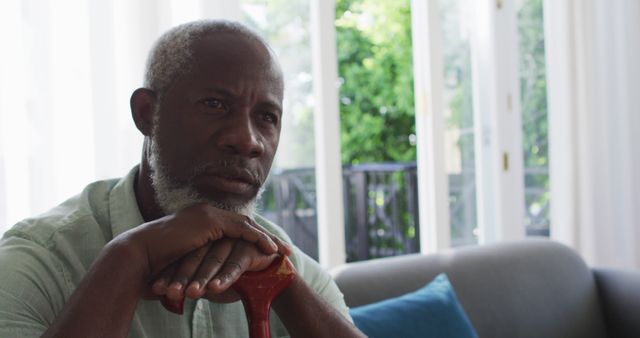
173, 196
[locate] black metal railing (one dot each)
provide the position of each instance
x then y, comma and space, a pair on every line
381, 208
289, 200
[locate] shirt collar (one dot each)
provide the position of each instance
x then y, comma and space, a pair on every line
123, 205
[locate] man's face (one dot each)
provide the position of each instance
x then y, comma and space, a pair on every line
217, 128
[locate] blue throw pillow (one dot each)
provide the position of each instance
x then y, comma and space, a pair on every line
430, 312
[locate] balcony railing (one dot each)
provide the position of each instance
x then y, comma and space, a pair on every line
381, 208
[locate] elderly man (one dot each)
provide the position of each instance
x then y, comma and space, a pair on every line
182, 222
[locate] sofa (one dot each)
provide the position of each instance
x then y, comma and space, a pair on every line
534, 288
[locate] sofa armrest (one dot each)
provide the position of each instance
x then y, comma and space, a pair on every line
620, 296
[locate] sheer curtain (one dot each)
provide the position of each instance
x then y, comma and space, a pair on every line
67, 69
593, 53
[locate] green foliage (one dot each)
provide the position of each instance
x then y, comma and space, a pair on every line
533, 87
533, 84
375, 68
376, 95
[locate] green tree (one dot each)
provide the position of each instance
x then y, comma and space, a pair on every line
533, 88
376, 92
533, 83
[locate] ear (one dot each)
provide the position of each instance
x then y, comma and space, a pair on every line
143, 103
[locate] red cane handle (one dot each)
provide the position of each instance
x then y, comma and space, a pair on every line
176, 306
257, 289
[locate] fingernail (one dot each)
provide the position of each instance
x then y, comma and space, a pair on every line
193, 291
195, 286
160, 283
175, 286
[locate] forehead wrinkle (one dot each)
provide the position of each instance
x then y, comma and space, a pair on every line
231, 66
232, 49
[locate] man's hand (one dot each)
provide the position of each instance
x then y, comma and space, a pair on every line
209, 271
164, 241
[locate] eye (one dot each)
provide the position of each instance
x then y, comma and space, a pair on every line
214, 103
270, 117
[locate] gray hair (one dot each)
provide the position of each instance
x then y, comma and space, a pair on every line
172, 54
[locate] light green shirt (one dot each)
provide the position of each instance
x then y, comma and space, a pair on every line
43, 259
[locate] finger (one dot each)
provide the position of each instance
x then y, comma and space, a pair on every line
161, 283
209, 267
166, 240
186, 269
283, 247
245, 229
235, 265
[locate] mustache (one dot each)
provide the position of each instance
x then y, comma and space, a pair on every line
236, 168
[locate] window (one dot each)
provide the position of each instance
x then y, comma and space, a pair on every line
459, 132
377, 127
533, 94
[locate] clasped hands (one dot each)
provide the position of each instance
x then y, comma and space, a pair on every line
200, 252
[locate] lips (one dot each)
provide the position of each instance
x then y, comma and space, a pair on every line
236, 181
236, 175
230, 185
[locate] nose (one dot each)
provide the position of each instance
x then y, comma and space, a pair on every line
240, 137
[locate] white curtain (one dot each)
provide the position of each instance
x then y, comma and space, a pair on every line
593, 74
67, 69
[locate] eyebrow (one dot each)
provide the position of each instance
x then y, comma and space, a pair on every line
271, 104
221, 91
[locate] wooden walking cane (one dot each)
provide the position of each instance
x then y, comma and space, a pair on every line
256, 290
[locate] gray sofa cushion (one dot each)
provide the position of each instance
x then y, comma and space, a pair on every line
532, 288
620, 297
